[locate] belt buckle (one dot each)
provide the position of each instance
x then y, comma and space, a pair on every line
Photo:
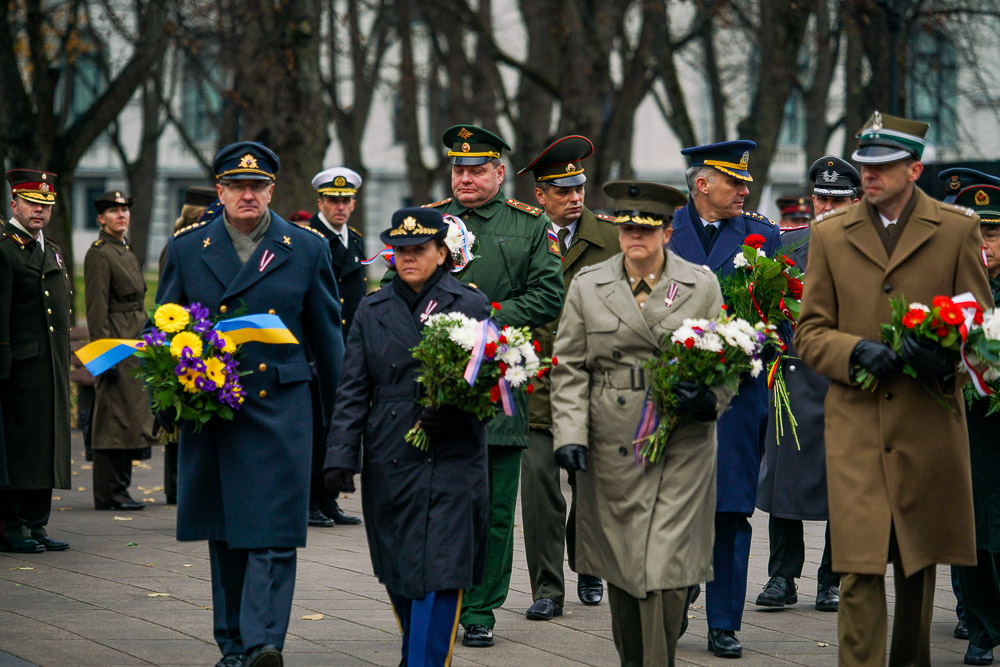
632, 378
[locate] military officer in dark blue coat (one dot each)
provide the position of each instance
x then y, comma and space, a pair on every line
710, 230
337, 191
244, 484
957, 179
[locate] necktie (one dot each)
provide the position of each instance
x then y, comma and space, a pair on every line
890, 228
562, 234
710, 230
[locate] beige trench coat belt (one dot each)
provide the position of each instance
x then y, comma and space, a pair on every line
633, 378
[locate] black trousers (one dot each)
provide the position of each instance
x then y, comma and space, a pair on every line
170, 471
788, 552
980, 586
25, 513
113, 475
252, 593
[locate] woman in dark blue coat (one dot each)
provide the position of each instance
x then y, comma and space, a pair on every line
425, 512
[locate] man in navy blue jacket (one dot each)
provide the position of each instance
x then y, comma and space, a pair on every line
710, 230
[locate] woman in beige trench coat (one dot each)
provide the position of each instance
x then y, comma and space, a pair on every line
649, 532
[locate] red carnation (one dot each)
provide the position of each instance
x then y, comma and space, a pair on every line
541, 373
754, 241
978, 317
494, 394
689, 343
555, 362
495, 305
795, 288
941, 332
503, 368
534, 344
491, 350
502, 340
530, 389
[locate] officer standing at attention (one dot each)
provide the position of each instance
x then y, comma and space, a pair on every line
115, 290
244, 484
709, 231
517, 265
792, 486
35, 304
585, 238
337, 191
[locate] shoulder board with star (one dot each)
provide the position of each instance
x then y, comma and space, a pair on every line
16, 238
831, 214
355, 231
757, 216
961, 210
190, 228
521, 206
310, 229
438, 203
97, 244
605, 217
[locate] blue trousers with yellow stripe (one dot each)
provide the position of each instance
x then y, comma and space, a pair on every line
428, 626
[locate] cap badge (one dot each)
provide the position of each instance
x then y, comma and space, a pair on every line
955, 183
409, 223
745, 160
248, 162
44, 187
877, 121
982, 199
465, 134
830, 177
45, 176
466, 148
569, 167
633, 191
340, 181
829, 163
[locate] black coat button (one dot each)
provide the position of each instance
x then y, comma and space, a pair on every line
621, 400
887, 288
616, 354
888, 447
392, 413
887, 395
623, 451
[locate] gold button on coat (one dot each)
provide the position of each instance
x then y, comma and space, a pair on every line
223, 308
262, 367
262, 394
270, 311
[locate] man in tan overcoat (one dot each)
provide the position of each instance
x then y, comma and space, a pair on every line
897, 461
647, 532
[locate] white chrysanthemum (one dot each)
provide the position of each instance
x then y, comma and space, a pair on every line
991, 374
516, 376
756, 366
510, 355
761, 253
739, 261
463, 336
991, 324
709, 341
920, 306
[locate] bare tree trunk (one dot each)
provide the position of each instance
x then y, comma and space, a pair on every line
816, 95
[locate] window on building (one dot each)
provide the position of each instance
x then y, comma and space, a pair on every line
932, 86
201, 101
793, 122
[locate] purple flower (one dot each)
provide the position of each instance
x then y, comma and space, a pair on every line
155, 337
188, 361
201, 326
204, 384
198, 311
760, 336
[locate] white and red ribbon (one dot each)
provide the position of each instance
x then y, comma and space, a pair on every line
967, 303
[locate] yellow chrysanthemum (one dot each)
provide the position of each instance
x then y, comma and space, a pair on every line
215, 370
230, 343
171, 318
188, 381
186, 339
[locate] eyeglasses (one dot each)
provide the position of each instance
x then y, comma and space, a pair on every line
255, 187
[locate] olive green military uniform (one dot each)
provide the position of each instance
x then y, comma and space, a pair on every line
543, 507
518, 267
123, 424
35, 299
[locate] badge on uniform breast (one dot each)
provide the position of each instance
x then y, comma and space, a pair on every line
671, 295
265, 259
431, 305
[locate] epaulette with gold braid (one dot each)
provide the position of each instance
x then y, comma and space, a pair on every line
16, 238
605, 217
314, 231
354, 230
757, 216
185, 230
521, 206
438, 203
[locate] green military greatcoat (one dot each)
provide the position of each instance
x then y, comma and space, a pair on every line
115, 290
35, 297
517, 266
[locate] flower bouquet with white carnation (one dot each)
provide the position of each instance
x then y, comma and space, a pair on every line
982, 349
460, 241
474, 365
708, 352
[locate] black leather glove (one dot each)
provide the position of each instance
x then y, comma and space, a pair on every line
767, 354
445, 420
927, 358
110, 375
696, 400
165, 420
338, 480
877, 358
571, 457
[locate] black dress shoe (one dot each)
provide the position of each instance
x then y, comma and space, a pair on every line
333, 511
978, 656
477, 635
234, 660
827, 597
961, 632
693, 593
724, 644
52, 545
172, 500
123, 506
264, 656
543, 609
778, 592
24, 545
317, 518
590, 589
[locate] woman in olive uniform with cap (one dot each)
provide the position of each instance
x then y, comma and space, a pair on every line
425, 512
114, 292
647, 532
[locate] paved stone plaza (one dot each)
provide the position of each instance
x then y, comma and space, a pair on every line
128, 593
